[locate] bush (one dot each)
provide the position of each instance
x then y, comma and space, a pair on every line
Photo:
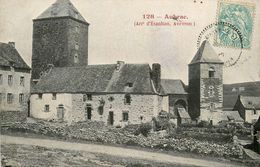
204, 124
143, 129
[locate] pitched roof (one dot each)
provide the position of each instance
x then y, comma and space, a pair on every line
97, 79
183, 113
232, 115
250, 102
172, 86
9, 56
61, 8
206, 54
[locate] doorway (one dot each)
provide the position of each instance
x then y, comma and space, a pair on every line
111, 118
60, 112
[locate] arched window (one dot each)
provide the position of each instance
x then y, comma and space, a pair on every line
211, 72
127, 99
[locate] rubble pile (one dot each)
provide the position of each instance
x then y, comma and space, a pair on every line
97, 132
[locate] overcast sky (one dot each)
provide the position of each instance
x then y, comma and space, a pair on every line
113, 36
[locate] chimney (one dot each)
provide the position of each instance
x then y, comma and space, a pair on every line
12, 44
119, 65
156, 76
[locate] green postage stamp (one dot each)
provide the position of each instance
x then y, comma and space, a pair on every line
241, 16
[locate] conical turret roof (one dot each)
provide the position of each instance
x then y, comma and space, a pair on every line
61, 8
206, 54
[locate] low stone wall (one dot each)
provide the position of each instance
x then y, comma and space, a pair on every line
12, 116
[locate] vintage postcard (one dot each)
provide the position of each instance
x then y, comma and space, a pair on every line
135, 83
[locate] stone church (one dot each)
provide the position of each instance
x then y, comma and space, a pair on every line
66, 88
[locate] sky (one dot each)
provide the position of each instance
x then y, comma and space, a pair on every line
114, 35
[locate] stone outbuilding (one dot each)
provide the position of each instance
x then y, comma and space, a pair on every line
14, 84
248, 107
116, 94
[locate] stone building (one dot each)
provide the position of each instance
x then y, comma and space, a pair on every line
60, 38
248, 108
116, 94
14, 83
206, 85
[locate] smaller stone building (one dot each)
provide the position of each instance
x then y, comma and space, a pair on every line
14, 84
248, 107
116, 94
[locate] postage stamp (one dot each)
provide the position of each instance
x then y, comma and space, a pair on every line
239, 14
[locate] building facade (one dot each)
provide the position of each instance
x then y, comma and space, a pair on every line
14, 82
206, 85
116, 94
60, 38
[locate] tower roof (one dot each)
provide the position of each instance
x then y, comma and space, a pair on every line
61, 8
206, 54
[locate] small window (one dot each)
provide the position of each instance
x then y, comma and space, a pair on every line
77, 28
255, 112
21, 81
9, 98
84, 97
211, 72
100, 110
54, 96
89, 96
125, 116
76, 58
129, 84
249, 102
10, 80
141, 118
47, 108
127, 99
1, 79
40, 95
21, 98
212, 106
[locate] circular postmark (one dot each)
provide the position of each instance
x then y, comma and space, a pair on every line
230, 51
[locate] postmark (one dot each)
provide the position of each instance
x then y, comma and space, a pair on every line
239, 14
230, 56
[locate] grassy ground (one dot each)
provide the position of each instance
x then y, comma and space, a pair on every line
23, 155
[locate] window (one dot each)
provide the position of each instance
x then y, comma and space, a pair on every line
212, 106
40, 95
89, 96
47, 108
254, 111
100, 110
76, 58
10, 80
125, 116
211, 72
21, 81
21, 98
9, 98
54, 96
129, 84
127, 99
1, 79
77, 28
84, 97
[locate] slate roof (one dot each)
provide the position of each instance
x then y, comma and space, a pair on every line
183, 113
172, 86
97, 79
250, 102
10, 56
62, 8
206, 54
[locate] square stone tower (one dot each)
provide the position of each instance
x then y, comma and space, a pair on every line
60, 38
206, 85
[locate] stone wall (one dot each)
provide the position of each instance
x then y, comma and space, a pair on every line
12, 116
142, 108
54, 42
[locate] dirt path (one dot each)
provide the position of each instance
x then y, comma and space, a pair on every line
114, 151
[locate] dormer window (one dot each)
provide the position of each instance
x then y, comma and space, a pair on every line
211, 72
250, 103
